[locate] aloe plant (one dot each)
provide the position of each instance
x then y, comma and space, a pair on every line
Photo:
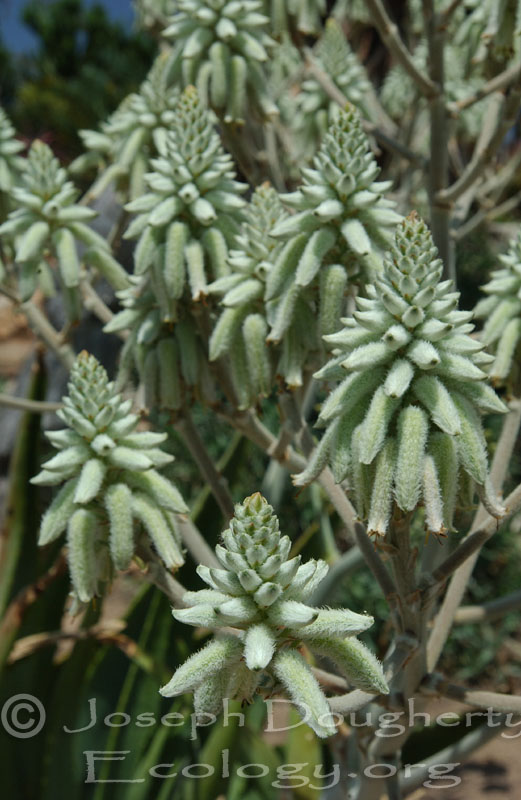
282, 311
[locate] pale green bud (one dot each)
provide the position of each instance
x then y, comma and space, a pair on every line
200, 615
57, 516
83, 563
158, 528
376, 422
361, 668
240, 611
118, 502
413, 428
213, 659
336, 622
259, 647
382, 494
90, 481
301, 685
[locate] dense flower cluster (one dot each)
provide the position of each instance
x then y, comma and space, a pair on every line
190, 212
315, 109
134, 132
186, 223
220, 48
501, 311
340, 204
111, 484
262, 593
342, 225
169, 356
11, 164
408, 411
47, 223
241, 330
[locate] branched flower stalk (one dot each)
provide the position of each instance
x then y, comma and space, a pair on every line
407, 414
111, 490
262, 593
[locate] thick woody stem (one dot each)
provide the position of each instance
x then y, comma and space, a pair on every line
391, 38
496, 84
196, 544
375, 564
500, 118
158, 574
460, 579
190, 435
488, 611
505, 703
48, 334
452, 754
21, 403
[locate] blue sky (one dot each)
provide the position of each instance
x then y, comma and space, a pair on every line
17, 38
